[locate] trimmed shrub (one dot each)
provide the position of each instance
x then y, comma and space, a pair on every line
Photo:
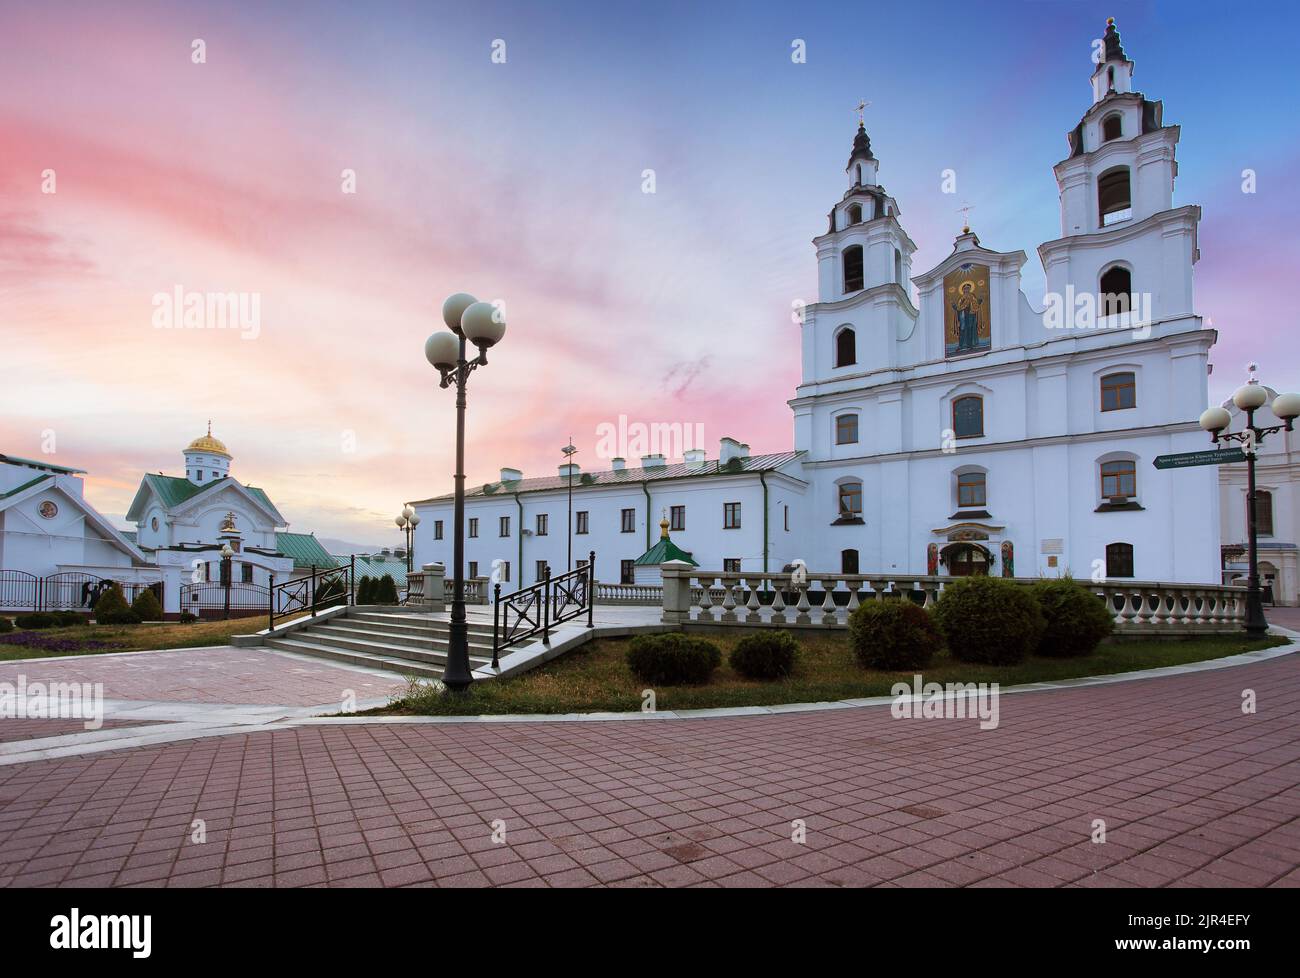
5, 625
989, 620
893, 634
765, 655
35, 619
366, 590
112, 609
62, 619
1077, 619
672, 659
386, 590
187, 617
146, 606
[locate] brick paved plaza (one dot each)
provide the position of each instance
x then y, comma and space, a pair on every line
1192, 791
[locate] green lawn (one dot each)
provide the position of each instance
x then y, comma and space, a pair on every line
595, 677
95, 639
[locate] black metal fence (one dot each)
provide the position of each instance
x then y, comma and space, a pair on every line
539, 607
324, 588
65, 591
215, 596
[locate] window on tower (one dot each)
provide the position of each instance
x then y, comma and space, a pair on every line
1114, 199
968, 416
1116, 291
846, 347
898, 266
1112, 127
855, 214
853, 268
1118, 391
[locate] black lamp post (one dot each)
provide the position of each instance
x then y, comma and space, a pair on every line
569, 451
1250, 397
407, 520
482, 324
226, 554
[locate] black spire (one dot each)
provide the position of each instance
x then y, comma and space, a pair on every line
1114, 49
861, 146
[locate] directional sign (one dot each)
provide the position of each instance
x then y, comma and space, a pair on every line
1212, 457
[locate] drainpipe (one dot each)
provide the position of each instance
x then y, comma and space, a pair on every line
645, 488
520, 530
762, 477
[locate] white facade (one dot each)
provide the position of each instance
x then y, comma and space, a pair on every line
969, 430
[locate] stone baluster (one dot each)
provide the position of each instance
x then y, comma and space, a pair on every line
729, 585
828, 603
706, 598
778, 600
803, 607
753, 605
854, 585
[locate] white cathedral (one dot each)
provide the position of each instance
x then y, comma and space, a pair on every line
974, 433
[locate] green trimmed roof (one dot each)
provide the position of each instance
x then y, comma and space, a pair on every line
26, 485
173, 490
37, 464
305, 550
665, 549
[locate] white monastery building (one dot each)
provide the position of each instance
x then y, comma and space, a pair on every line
973, 432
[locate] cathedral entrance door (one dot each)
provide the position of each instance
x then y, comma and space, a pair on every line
966, 560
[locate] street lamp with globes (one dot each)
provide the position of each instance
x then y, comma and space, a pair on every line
1250, 397
407, 520
482, 324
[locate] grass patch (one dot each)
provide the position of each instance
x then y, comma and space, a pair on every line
595, 678
97, 639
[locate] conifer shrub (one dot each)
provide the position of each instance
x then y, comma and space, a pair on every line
672, 659
366, 590
146, 606
35, 619
112, 609
386, 590
893, 634
765, 655
989, 620
1077, 620
5, 625
188, 617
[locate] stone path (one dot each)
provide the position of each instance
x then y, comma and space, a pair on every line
1191, 790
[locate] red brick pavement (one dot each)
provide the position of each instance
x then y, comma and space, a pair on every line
249, 677
1193, 793
12, 729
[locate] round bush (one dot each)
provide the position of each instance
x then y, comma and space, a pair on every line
366, 590
1077, 620
187, 617
5, 625
989, 620
672, 659
146, 606
37, 619
112, 609
765, 655
386, 590
63, 619
893, 634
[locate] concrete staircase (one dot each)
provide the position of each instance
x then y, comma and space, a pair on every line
397, 641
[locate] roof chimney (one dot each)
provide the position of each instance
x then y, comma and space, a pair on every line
652, 462
511, 475
694, 458
731, 449
618, 464
570, 470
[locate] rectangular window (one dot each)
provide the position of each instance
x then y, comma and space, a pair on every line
731, 565
246, 573
505, 526
580, 518
677, 518
629, 521
473, 568
473, 526
850, 500
731, 516
1263, 512
968, 417
970, 489
505, 571
626, 573
787, 519
1119, 560
199, 473
1119, 479
1118, 392
541, 570
846, 429
543, 524
437, 529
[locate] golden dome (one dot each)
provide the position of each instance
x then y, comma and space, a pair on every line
206, 443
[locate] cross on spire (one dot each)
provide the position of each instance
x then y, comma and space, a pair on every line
965, 210
862, 106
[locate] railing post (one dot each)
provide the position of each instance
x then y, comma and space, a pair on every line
496, 624
546, 606
270, 601
677, 591
352, 580
591, 588
313, 590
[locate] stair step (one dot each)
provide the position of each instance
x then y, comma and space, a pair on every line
431, 669
383, 644
411, 623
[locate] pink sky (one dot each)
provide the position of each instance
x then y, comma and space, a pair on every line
225, 176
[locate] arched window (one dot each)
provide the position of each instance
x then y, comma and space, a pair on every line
859, 173
1118, 391
1116, 291
898, 266
1119, 560
848, 561
846, 429
1119, 479
855, 214
968, 416
971, 490
1114, 200
853, 268
1110, 79
1112, 127
846, 347
849, 497
1264, 512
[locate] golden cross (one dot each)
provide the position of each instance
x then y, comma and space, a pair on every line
965, 212
862, 105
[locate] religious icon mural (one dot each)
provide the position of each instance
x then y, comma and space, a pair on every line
966, 317
932, 559
1008, 559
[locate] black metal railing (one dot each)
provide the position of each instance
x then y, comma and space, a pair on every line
214, 596
65, 591
541, 606
323, 588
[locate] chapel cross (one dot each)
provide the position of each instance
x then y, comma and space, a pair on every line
965, 212
862, 105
